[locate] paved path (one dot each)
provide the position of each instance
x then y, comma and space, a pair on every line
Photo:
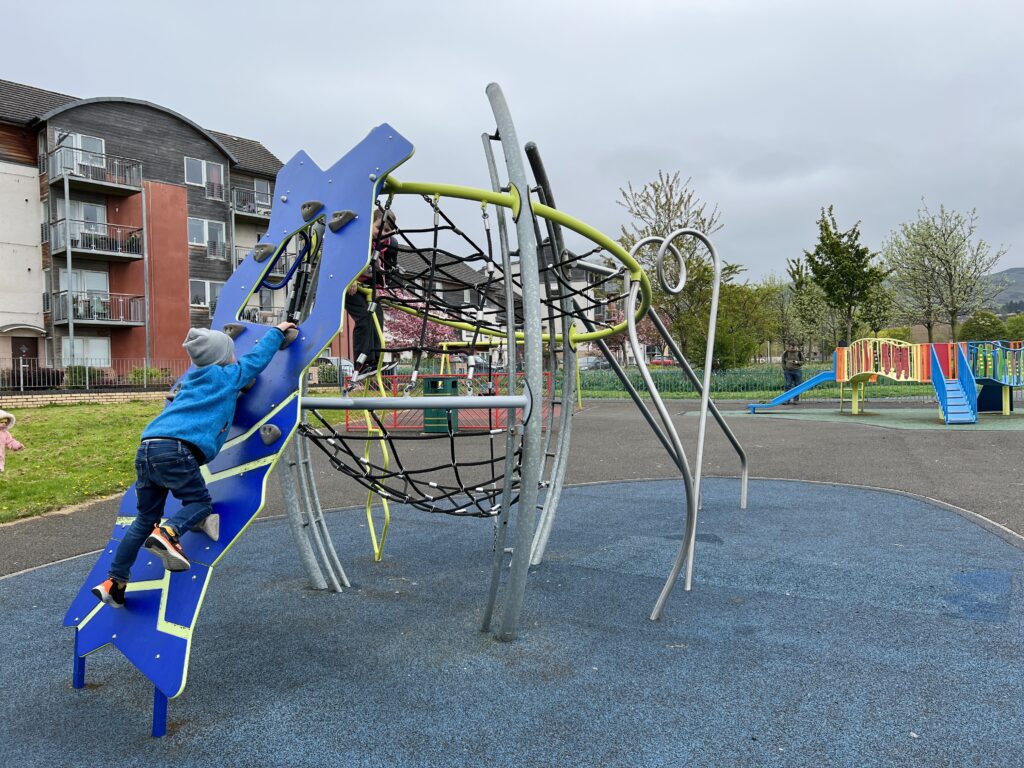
976, 469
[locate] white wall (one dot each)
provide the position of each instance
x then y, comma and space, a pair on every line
21, 282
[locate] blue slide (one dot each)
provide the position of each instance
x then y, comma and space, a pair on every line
796, 391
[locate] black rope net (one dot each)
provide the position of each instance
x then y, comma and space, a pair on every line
433, 278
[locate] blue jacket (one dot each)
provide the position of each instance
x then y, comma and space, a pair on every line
204, 408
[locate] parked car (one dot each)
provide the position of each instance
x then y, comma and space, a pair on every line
663, 360
593, 363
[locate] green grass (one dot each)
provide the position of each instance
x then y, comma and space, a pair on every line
73, 453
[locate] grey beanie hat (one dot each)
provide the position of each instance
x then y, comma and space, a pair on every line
207, 347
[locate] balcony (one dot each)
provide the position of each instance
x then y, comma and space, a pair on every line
217, 249
96, 308
280, 266
109, 242
95, 172
250, 204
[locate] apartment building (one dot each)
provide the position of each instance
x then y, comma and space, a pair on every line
120, 220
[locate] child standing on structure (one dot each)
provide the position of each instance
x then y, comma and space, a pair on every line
189, 432
365, 350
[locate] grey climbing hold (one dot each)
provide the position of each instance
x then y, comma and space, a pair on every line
270, 434
310, 208
234, 330
289, 336
263, 251
339, 219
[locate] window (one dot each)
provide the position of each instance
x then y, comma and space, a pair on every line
84, 280
85, 217
89, 350
210, 235
205, 173
80, 153
204, 293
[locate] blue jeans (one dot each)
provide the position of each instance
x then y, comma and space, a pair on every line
793, 379
162, 466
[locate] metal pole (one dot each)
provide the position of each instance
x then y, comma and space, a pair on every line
67, 256
688, 370
532, 461
705, 394
511, 354
145, 284
568, 303
295, 518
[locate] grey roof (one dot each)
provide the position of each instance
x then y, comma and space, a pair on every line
252, 156
21, 104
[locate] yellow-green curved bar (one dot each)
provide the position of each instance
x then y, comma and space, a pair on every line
513, 202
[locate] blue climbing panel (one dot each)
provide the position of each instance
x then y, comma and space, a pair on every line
154, 629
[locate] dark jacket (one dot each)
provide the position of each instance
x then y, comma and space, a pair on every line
792, 361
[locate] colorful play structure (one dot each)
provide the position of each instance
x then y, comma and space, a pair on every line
507, 464
956, 371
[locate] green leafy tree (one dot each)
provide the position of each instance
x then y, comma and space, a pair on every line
939, 261
844, 269
1015, 327
878, 309
983, 326
900, 334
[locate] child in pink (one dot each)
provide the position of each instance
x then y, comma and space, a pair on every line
7, 440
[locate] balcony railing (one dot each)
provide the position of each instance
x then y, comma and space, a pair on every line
250, 201
280, 266
215, 190
95, 166
217, 249
96, 306
92, 236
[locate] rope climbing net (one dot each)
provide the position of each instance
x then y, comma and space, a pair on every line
449, 289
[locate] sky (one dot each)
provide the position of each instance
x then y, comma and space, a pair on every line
772, 109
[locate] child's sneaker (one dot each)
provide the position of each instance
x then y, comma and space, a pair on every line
110, 593
163, 543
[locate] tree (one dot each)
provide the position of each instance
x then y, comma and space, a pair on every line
646, 333
938, 260
403, 330
843, 268
983, 326
1015, 327
659, 208
877, 310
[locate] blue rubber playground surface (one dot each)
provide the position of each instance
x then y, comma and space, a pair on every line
828, 626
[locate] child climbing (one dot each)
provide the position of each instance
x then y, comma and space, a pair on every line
188, 433
7, 440
384, 258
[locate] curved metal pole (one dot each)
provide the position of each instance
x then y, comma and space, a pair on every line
296, 521
688, 371
558, 471
532, 458
691, 505
705, 394
511, 355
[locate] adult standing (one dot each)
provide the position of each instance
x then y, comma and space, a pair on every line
792, 367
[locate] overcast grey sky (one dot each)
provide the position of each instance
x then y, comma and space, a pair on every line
774, 109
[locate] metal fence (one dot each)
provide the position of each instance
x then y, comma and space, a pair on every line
96, 306
95, 236
754, 383
22, 375
95, 166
